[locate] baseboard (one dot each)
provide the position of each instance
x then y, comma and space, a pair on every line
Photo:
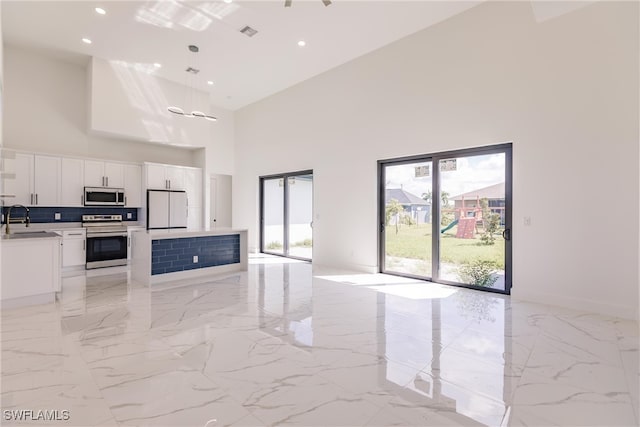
30, 300
613, 310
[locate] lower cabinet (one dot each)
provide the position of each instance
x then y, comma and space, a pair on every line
130, 230
74, 247
29, 268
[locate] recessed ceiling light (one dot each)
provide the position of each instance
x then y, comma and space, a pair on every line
157, 65
302, 43
209, 82
86, 40
228, 1
100, 11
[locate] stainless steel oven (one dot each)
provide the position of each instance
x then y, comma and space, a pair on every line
106, 241
101, 196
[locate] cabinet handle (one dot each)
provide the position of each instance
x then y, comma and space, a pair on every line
84, 245
125, 200
107, 181
82, 200
129, 241
31, 198
36, 198
75, 234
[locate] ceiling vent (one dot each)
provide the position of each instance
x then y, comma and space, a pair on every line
248, 31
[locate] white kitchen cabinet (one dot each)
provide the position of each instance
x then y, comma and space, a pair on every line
72, 182
20, 167
131, 229
103, 174
30, 268
193, 186
175, 176
93, 173
194, 220
46, 180
114, 173
74, 247
165, 177
156, 177
133, 186
36, 181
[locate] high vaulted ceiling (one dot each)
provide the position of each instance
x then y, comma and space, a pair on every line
243, 69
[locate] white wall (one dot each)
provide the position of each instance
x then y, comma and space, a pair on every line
564, 90
46, 110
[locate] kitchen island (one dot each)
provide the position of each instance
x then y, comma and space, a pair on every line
30, 268
160, 256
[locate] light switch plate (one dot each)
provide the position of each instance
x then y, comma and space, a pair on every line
129, 215
195, 259
56, 216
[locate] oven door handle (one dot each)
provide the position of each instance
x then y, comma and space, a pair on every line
115, 234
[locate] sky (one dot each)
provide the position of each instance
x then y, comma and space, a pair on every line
472, 173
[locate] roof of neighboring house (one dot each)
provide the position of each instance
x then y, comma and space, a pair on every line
404, 197
495, 191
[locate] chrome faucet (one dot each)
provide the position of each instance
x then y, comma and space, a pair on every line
24, 220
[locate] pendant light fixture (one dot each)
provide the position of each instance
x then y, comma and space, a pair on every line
192, 72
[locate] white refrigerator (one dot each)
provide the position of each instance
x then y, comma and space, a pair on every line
166, 209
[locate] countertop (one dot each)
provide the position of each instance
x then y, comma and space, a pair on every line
191, 232
31, 235
47, 226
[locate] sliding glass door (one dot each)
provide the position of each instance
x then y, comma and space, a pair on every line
446, 217
287, 214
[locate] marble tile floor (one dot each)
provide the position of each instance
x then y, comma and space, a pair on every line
286, 344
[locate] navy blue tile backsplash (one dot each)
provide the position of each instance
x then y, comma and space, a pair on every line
170, 255
44, 214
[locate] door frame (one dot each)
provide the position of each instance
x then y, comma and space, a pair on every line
285, 242
507, 149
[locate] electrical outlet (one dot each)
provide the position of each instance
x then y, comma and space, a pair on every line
195, 259
56, 216
527, 221
129, 216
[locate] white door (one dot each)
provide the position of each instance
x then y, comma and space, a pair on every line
213, 202
156, 177
72, 182
114, 174
133, 185
178, 209
22, 184
158, 209
175, 175
94, 174
47, 180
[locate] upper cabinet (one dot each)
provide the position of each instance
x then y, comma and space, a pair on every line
42, 180
18, 182
133, 186
103, 174
72, 182
46, 182
165, 177
35, 179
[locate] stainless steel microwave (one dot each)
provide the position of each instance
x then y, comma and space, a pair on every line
101, 196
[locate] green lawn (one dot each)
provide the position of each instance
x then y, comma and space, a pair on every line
414, 242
